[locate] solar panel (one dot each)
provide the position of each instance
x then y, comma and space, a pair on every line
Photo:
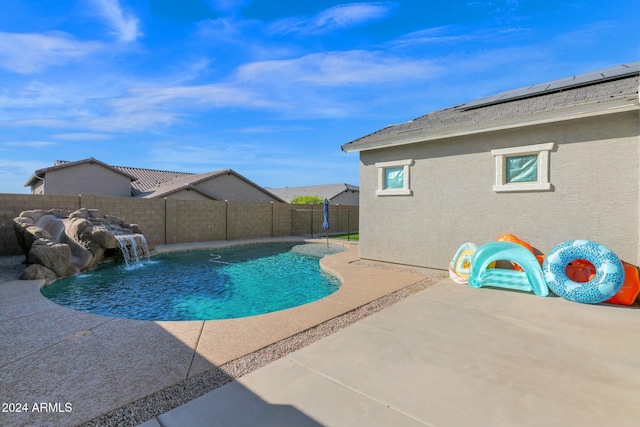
556, 85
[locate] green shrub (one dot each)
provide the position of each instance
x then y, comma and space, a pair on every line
307, 200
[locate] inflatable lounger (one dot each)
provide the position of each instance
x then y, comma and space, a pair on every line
529, 280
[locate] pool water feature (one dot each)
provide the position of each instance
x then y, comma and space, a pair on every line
131, 249
212, 284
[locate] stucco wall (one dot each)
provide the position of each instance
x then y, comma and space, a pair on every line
593, 171
187, 194
347, 198
87, 178
38, 188
230, 187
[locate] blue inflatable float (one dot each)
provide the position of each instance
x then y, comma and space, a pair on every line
609, 271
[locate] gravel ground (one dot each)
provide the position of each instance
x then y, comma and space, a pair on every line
11, 267
162, 401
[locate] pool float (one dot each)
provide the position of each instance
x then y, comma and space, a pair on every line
512, 238
606, 283
580, 270
630, 289
461, 263
528, 280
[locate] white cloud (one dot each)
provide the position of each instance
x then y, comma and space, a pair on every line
30, 144
274, 129
122, 24
138, 110
429, 36
295, 86
14, 173
457, 35
28, 53
210, 95
339, 69
50, 123
82, 136
124, 121
585, 35
34, 95
114, 122
334, 18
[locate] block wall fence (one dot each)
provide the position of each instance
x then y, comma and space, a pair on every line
171, 221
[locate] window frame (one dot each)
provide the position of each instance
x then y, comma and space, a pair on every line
541, 150
381, 171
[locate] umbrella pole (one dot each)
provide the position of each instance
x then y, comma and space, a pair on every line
325, 224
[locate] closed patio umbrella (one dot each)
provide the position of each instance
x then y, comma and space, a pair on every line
325, 223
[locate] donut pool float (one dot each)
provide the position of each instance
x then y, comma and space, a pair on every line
606, 283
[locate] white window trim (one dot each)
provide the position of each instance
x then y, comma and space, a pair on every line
543, 184
405, 190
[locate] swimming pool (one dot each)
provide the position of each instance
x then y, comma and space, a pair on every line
211, 284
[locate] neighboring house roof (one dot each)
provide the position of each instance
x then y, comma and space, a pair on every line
327, 191
152, 183
149, 179
614, 89
189, 182
39, 174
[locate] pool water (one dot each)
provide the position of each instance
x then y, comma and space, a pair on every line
226, 283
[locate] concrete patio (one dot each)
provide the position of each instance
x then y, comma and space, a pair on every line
449, 355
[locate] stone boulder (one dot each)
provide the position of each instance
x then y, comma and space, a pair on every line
54, 256
60, 243
37, 271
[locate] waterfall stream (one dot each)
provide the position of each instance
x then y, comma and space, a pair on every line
133, 247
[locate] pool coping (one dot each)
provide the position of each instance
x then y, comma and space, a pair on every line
156, 356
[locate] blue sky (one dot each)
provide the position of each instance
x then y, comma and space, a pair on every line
271, 89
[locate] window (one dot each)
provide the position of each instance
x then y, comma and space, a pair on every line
523, 168
393, 178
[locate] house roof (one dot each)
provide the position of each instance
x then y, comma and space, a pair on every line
61, 164
149, 179
327, 191
606, 91
189, 181
152, 183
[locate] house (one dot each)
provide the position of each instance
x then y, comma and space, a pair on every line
91, 176
218, 185
550, 162
88, 176
337, 194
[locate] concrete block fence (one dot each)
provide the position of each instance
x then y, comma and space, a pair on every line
171, 221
